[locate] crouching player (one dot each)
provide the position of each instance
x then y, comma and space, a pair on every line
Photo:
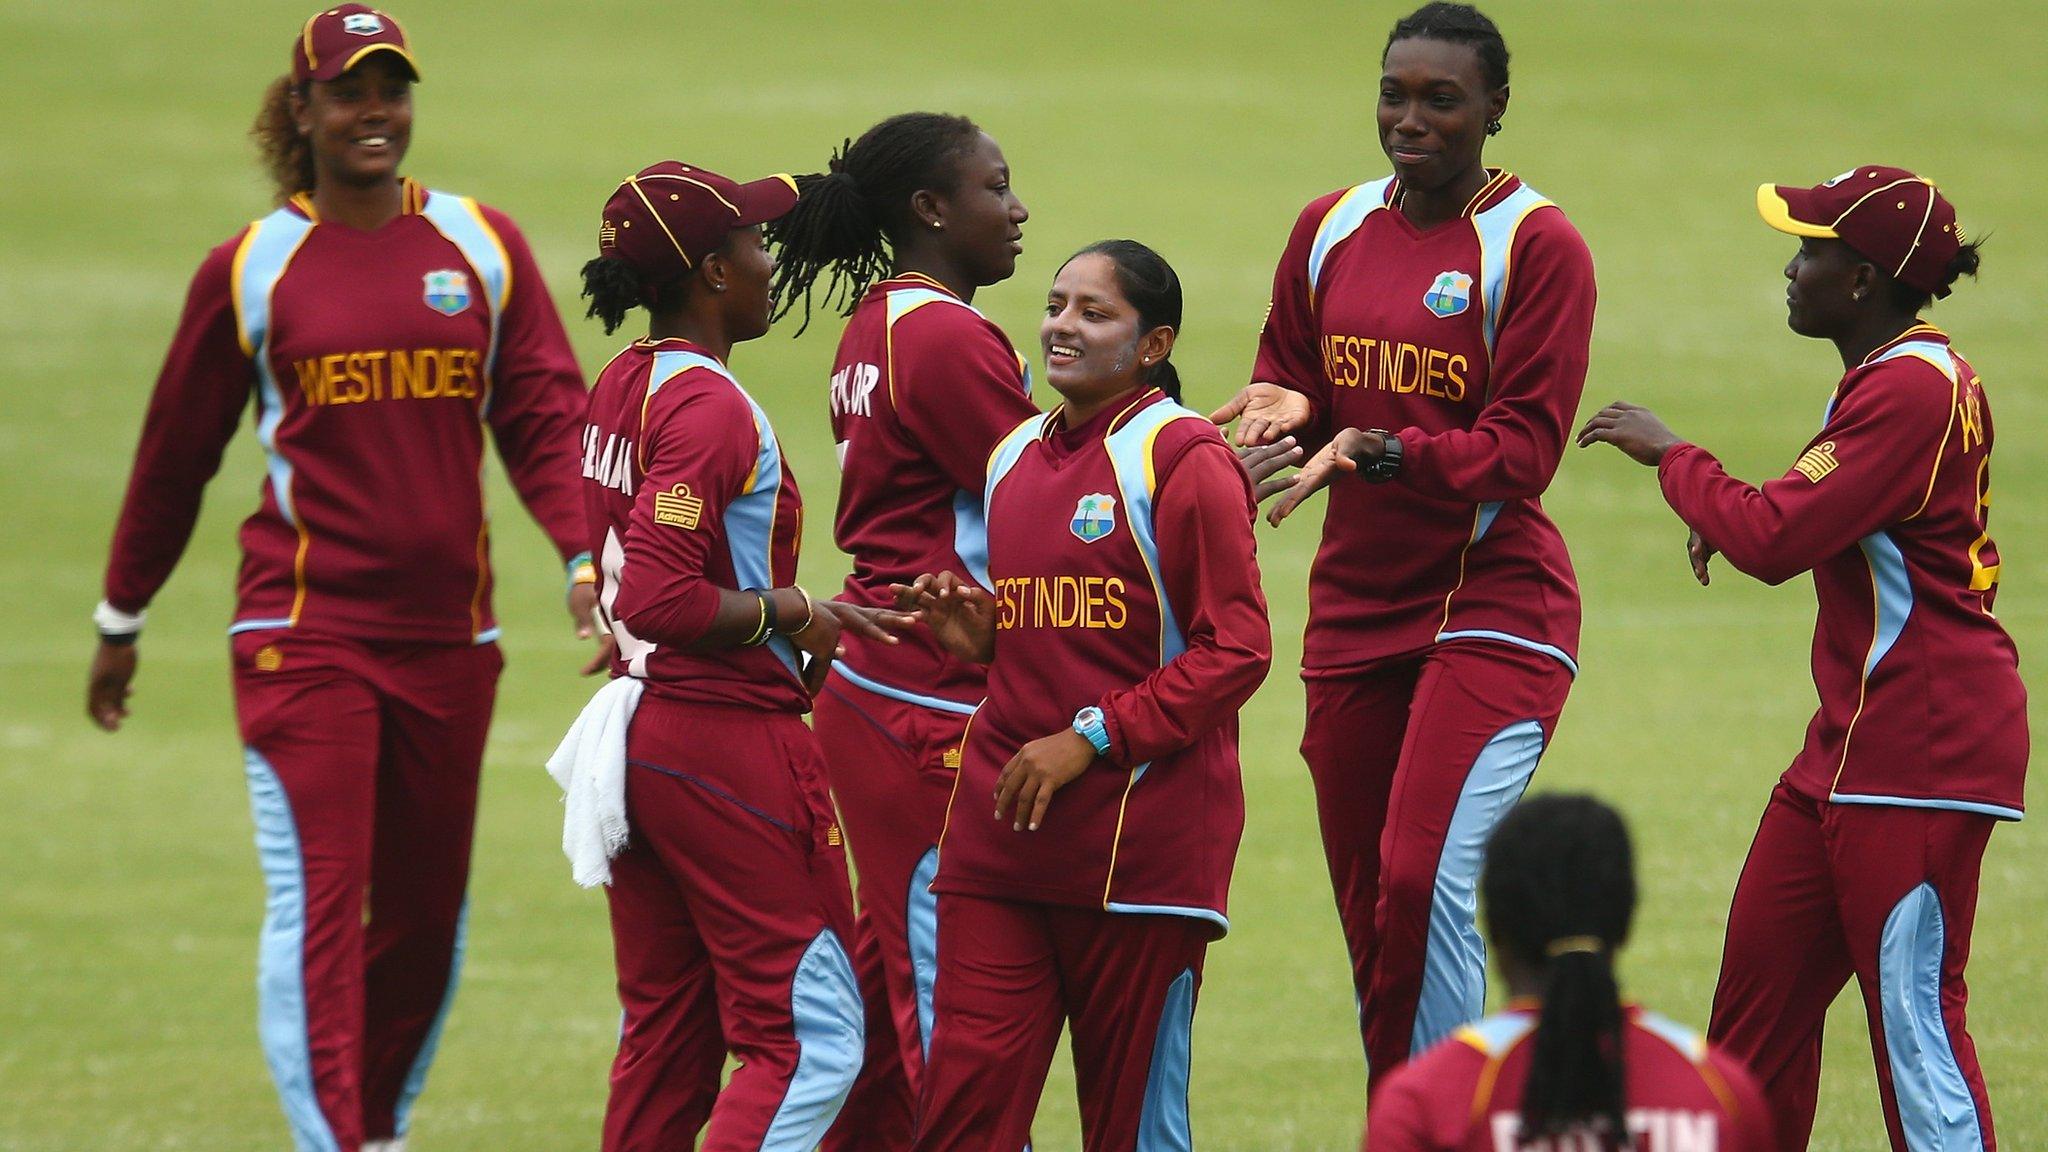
1125, 631
1567, 1066
1866, 861
730, 906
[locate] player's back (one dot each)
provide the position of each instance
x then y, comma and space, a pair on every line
1465, 1094
923, 387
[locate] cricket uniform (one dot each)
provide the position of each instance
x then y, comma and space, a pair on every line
730, 903
363, 640
1867, 858
1465, 1094
1120, 554
923, 387
1443, 612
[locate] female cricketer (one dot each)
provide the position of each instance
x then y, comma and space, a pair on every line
1865, 863
729, 904
1429, 332
381, 329
1567, 1065
923, 387
1125, 630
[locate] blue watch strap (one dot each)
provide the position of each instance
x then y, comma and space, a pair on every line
1089, 722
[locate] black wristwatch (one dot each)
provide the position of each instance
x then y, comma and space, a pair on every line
1388, 465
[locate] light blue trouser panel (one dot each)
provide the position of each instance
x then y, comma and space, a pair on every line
1163, 1124
416, 1079
280, 970
1454, 962
825, 1004
1936, 1110
921, 919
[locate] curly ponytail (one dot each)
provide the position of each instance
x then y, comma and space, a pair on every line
1560, 895
849, 217
287, 156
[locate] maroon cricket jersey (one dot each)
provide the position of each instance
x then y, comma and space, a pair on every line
923, 387
1125, 577
376, 359
1470, 342
1921, 702
687, 493
1465, 1094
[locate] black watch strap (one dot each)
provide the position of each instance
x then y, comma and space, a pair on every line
1388, 465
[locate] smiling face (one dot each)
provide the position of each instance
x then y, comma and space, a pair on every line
982, 217
1433, 109
360, 122
1092, 337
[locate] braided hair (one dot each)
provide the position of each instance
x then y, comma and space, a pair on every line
850, 217
1457, 24
1560, 893
1153, 289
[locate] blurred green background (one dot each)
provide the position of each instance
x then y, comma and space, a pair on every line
129, 896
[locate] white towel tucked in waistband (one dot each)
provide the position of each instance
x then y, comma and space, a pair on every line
590, 766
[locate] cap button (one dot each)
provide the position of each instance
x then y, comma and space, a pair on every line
1902, 204
673, 196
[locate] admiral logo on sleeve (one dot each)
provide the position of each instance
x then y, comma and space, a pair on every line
676, 506
1816, 462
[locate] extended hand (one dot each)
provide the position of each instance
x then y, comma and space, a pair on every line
1632, 428
1343, 454
1038, 770
106, 686
960, 614
818, 639
1264, 413
1262, 461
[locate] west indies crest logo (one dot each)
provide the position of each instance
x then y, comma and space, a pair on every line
1450, 294
446, 291
1094, 517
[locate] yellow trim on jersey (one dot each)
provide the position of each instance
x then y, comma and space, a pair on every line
1863, 675
947, 824
483, 575
235, 287
1955, 389
299, 558
1471, 539
1482, 1089
1116, 841
1493, 184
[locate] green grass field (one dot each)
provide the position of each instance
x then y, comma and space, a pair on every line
129, 896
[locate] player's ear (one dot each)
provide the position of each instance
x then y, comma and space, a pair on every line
1155, 345
1497, 104
715, 271
927, 211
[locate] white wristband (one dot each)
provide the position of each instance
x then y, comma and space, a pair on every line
111, 621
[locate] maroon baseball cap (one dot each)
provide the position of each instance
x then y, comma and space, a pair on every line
668, 216
334, 41
1897, 220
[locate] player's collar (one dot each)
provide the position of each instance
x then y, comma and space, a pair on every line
1919, 332
1499, 181
412, 200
